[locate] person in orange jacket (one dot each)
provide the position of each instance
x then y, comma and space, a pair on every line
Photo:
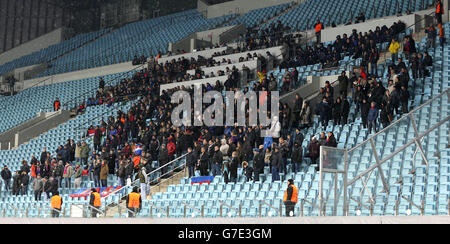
439, 11
57, 105
290, 198
318, 28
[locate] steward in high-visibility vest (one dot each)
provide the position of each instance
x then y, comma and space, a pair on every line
134, 202
290, 198
56, 203
96, 202
318, 28
439, 11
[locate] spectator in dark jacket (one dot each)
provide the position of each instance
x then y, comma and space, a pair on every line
276, 163
324, 111
365, 107
314, 149
6, 177
258, 162
234, 166
191, 160
404, 97
372, 117
247, 171
331, 140
24, 182
296, 157
217, 160
345, 109
16, 184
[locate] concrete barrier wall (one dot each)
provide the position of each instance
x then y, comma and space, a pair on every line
253, 64
237, 6
205, 53
211, 81
42, 126
32, 46
77, 75
8, 137
232, 34
329, 34
275, 51
213, 35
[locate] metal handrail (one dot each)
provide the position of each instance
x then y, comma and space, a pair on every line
91, 208
262, 202
120, 207
237, 211
160, 209
400, 120
201, 212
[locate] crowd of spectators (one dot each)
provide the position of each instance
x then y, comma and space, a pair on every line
128, 144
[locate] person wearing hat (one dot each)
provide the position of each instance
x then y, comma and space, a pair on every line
95, 203
134, 202
56, 203
290, 198
258, 162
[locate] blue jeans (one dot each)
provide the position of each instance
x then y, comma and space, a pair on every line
67, 182
216, 169
191, 171
296, 167
275, 174
96, 181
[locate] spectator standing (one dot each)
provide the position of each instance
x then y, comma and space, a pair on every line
67, 175
296, 157
372, 117
258, 162
6, 177
394, 48
84, 153
78, 176
314, 150
38, 186
276, 163
24, 181
104, 171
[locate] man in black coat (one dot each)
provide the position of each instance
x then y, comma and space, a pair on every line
16, 184
24, 181
345, 110
296, 157
324, 110
163, 158
343, 83
258, 162
365, 107
276, 162
404, 97
233, 167
43, 156
191, 160
203, 162
217, 160
6, 177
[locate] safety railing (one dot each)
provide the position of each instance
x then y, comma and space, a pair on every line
201, 212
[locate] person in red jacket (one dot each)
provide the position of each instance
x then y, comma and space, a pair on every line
171, 147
